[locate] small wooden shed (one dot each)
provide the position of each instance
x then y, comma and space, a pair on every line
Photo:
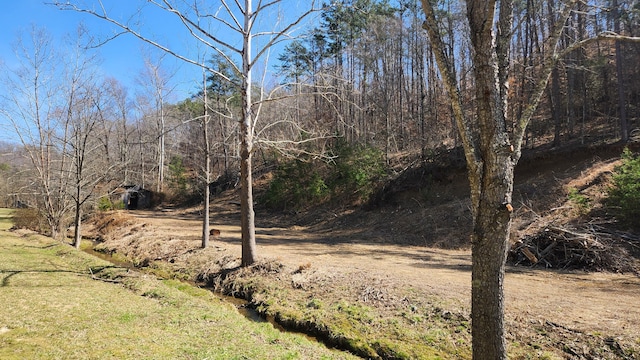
135, 197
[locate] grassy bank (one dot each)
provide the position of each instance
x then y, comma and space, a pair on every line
60, 303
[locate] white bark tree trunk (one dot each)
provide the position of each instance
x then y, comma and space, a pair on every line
247, 215
207, 166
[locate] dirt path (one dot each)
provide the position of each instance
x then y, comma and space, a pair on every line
589, 303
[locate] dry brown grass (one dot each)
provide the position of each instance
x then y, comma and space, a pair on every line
104, 225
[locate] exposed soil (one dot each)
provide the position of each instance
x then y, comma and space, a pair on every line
417, 239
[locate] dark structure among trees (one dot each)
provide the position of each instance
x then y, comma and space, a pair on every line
135, 197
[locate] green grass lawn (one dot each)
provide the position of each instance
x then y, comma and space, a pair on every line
52, 306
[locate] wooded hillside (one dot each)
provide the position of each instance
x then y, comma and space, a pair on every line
360, 87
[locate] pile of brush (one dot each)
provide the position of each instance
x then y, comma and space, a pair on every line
592, 248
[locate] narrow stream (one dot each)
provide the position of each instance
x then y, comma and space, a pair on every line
240, 304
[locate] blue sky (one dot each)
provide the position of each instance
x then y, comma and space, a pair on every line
122, 58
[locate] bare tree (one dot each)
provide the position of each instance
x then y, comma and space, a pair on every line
240, 18
492, 146
207, 163
155, 81
31, 107
91, 166
80, 118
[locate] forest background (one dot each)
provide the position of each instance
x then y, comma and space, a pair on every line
359, 99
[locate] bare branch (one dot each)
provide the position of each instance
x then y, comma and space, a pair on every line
465, 128
283, 33
104, 42
261, 7
71, 7
238, 26
190, 25
549, 63
607, 35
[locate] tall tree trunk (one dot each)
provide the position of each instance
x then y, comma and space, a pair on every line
161, 150
400, 68
491, 182
422, 94
571, 85
489, 250
554, 91
432, 92
247, 215
580, 59
77, 234
554, 101
141, 153
207, 166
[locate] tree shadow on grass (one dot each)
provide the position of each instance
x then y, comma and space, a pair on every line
49, 246
94, 272
11, 273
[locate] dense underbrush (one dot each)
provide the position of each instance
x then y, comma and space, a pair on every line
349, 173
624, 194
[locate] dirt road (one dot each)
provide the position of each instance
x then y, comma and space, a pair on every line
590, 303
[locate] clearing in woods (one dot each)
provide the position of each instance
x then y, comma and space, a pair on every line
415, 243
